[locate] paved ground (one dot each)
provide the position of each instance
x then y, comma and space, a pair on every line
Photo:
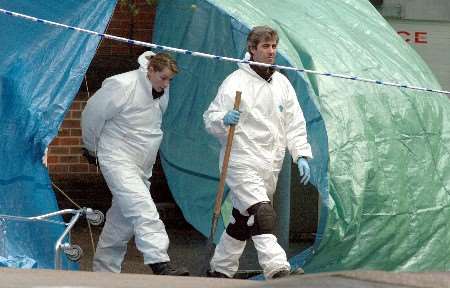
352, 279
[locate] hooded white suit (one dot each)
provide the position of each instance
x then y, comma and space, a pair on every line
122, 124
270, 120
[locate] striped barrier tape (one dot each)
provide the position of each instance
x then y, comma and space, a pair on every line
220, 58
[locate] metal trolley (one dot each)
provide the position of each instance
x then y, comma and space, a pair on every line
73, 252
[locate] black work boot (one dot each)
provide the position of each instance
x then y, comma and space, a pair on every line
281, 274
215, 274
165, 268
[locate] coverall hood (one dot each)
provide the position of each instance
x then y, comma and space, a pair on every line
248, 69
143, 61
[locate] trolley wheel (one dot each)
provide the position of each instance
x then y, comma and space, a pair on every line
73, 253
95, 217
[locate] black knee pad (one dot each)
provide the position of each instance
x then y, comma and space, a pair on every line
239, 229
265, 216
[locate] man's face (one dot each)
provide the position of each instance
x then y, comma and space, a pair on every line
160, 79
265, 52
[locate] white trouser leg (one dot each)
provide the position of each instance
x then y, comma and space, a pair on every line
132, 194
227, 254
112, 244
271, 255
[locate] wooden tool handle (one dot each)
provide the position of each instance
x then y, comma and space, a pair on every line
223, 174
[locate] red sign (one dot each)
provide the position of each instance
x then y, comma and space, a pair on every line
417, 37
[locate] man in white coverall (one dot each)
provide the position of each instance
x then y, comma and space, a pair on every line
121, 125
269, 118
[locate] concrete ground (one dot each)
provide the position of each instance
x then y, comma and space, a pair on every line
15, 278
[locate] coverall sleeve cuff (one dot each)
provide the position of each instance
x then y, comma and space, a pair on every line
305, 154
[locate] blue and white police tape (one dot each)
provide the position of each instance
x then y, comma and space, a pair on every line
221, 58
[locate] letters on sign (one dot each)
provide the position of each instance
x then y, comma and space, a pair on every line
417, 37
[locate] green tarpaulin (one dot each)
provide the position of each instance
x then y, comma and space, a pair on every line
381, 153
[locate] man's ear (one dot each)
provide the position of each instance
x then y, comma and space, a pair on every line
252, 51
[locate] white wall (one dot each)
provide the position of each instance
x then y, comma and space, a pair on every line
431, 40
433, 10
425, 25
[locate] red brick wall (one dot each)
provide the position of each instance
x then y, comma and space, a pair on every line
112, 57
125, 24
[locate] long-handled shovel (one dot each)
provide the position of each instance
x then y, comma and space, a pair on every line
220, 189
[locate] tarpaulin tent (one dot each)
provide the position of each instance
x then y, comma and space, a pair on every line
41, 69
380, 153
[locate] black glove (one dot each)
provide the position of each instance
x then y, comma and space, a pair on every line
91, 159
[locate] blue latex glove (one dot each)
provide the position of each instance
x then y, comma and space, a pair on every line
303, 169
231, 118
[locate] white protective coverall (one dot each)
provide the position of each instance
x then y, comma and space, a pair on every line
270, 119
122, 124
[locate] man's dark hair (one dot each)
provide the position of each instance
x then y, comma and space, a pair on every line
259, 34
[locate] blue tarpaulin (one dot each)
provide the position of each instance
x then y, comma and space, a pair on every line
41, 69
